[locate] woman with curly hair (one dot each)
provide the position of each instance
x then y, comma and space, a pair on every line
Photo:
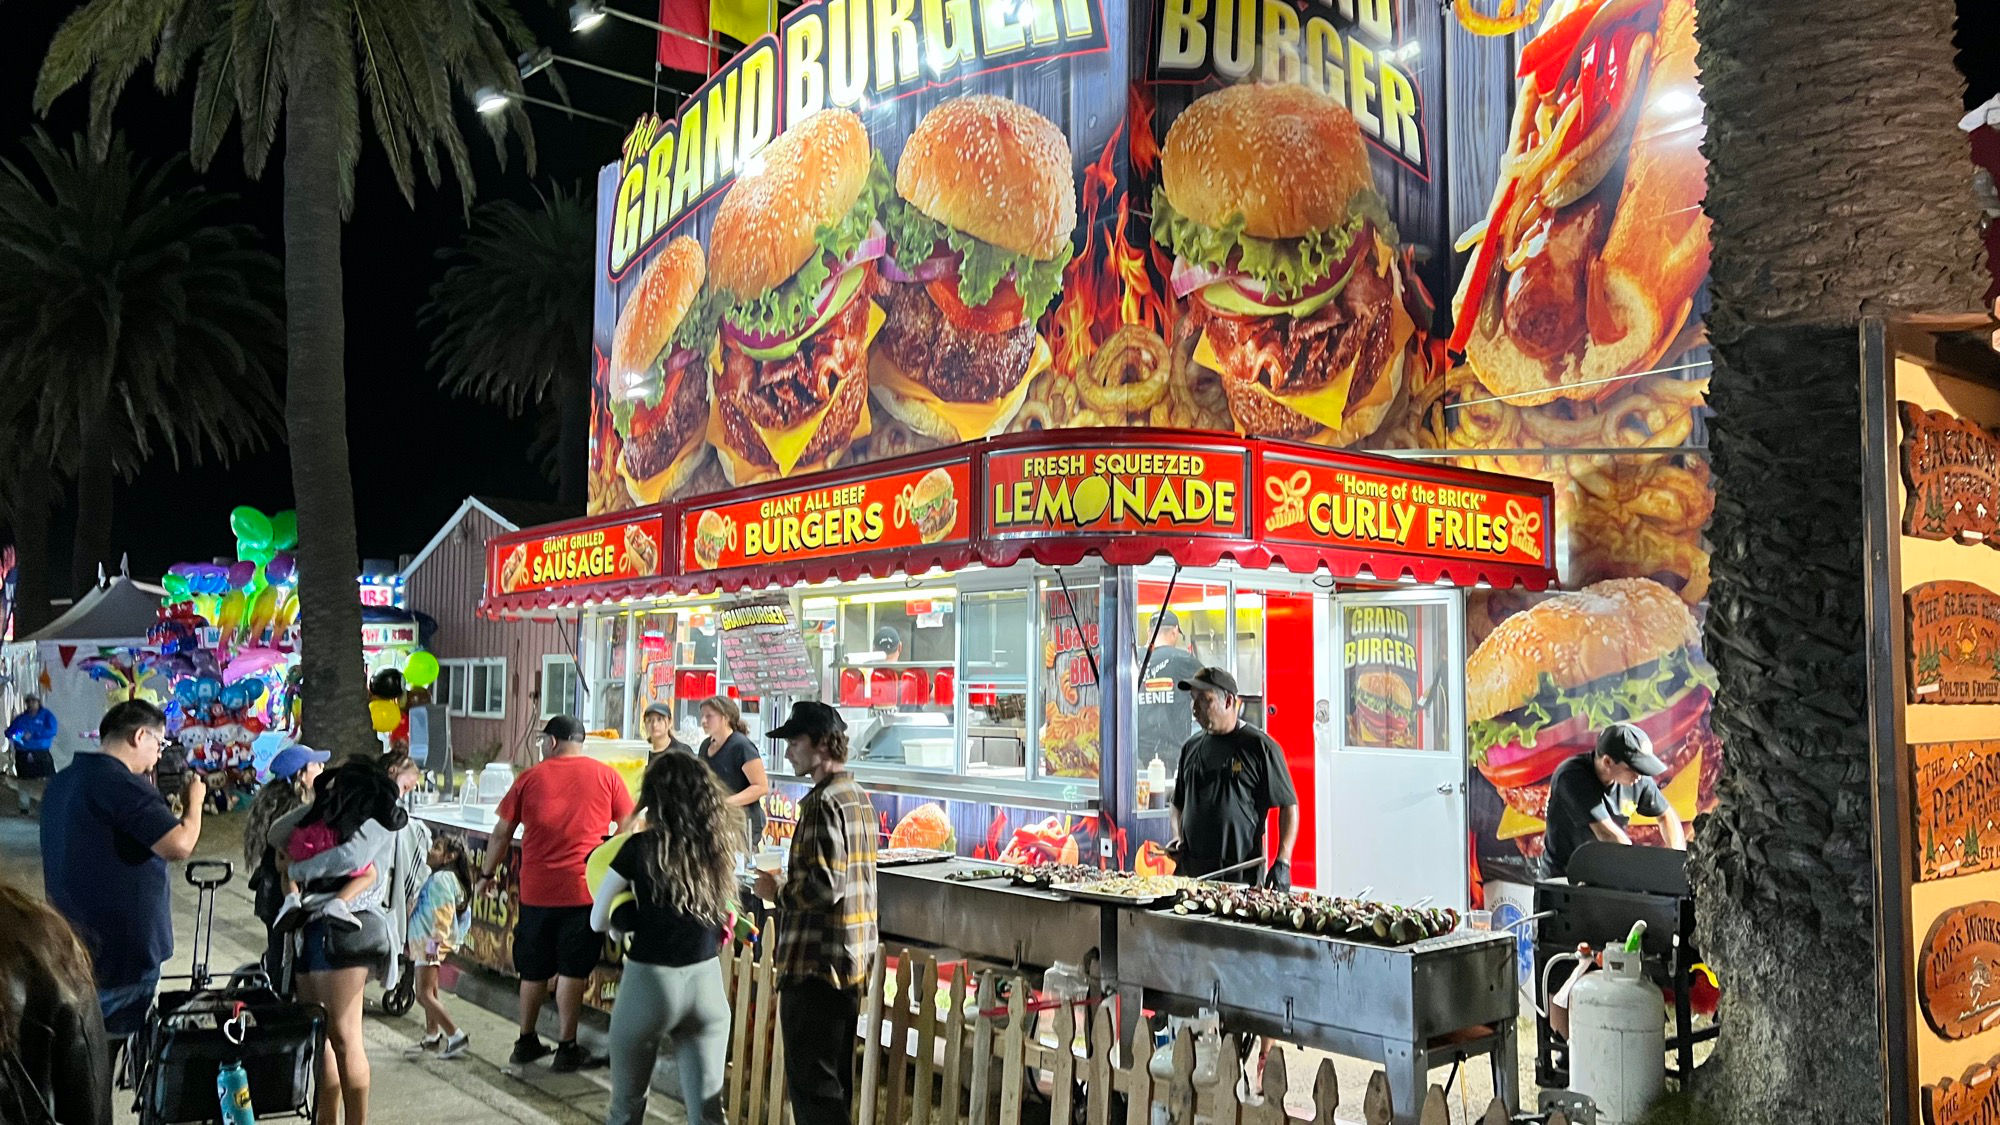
680, 872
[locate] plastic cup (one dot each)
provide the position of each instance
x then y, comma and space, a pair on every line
1479, 919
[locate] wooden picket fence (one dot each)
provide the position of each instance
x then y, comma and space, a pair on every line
923, 1067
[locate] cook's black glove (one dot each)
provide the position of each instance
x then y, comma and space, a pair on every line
1279, 877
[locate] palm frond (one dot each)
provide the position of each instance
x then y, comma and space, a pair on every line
122, 296
511, 314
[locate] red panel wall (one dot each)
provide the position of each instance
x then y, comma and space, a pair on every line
1290, 654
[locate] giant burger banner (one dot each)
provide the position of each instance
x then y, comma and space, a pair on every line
866, 514
889, 228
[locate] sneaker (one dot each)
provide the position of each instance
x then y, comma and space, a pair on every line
290, 916
340, 915
571, 1057
424, 1046
527, 1049
455, 1045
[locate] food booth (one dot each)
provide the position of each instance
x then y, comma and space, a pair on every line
988, 619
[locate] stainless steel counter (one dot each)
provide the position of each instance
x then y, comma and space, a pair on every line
1408, 1007
990, 919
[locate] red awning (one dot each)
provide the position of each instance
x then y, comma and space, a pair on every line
1127, 496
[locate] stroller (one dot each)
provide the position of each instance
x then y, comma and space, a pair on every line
191, 1033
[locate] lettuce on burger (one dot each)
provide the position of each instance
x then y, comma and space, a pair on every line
793, 256
659, 387
1286, 252
979, 232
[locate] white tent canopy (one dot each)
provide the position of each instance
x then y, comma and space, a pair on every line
118, 613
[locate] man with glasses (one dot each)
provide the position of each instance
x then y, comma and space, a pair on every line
107, 835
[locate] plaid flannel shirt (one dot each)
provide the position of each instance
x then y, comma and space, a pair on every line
826, 918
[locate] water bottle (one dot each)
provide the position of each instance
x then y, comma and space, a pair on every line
232, 1089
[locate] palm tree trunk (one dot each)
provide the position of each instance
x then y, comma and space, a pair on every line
91, 543
1825, 207
573, 441
29, 517
335, 693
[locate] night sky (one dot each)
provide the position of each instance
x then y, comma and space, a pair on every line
417, 452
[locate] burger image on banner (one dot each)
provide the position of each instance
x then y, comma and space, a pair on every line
930, 505
660, 386
979, 233
1544, 682
713, 533
793, 252
1594, 247
1285, 253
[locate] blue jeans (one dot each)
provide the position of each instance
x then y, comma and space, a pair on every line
125, 1006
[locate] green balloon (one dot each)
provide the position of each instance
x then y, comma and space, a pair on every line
421, 670
176, 586
251, 526
285, 530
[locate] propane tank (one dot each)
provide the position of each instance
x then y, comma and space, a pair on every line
1618, 1037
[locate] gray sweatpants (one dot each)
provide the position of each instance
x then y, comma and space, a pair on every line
685, 1005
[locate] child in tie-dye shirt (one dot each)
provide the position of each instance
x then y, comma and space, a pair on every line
438, 925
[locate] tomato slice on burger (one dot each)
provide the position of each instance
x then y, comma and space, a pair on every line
1003, 313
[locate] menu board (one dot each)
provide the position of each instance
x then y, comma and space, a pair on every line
764, 648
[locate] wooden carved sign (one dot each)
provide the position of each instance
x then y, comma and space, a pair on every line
1954, 630
1955, 787
1958, 971
1971, 1100
1952, 468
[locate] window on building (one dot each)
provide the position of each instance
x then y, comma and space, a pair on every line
472, 689
562, 687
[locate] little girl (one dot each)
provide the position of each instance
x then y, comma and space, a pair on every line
438, 925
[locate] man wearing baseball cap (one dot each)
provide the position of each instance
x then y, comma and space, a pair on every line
566, 805
826, 922
1593, 796
1232, 775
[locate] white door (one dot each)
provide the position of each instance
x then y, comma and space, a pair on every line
1392, 812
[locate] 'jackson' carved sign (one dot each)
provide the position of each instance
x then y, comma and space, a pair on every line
1952, 469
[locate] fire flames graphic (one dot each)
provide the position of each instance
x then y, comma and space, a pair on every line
1112, 282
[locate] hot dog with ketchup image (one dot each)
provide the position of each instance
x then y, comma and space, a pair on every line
1595, 244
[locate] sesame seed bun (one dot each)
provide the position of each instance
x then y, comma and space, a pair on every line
994, 169
1576, 638
809, 178
1285, 158
647, 323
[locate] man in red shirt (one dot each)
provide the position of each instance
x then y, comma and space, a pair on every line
565, 806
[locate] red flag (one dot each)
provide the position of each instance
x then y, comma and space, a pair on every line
677, 53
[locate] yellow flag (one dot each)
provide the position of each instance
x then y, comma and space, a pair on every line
742, 20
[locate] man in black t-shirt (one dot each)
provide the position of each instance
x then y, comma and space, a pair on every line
1163, 719
1232, 774
1592, 797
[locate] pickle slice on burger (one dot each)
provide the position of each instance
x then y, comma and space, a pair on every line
979, 233
1287, 256
794, 249
659, 388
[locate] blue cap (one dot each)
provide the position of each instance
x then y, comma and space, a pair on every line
292, 759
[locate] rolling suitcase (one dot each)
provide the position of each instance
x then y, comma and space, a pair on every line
192, 1033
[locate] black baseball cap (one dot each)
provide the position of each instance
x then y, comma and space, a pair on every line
1211, 679
660, 709
1167, 619
809, 716
887, 638
565, 728
1629, 746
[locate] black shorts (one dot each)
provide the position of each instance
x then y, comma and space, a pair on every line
555, 941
